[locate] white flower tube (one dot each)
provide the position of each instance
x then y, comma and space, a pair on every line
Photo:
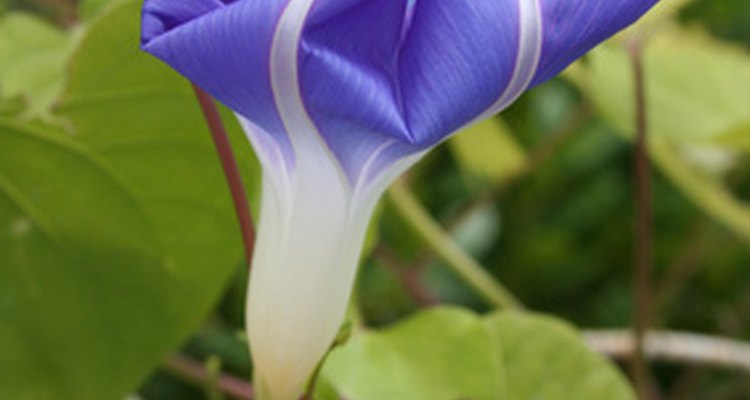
311, 230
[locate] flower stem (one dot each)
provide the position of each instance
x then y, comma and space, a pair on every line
681, 348
193, 371
410, 277
231, 171
643, 229
446, 249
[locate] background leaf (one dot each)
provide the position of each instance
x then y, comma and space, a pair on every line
79, 265
488, 150
119, 243
32, 53
697, 86
444, 353
545, 359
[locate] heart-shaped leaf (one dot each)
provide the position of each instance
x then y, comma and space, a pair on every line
116, 235
546, 359
440, 354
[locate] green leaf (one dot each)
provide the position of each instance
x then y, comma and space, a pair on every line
32, 54
12, 107
443, 353
117, 235
488, 150
737, 138
79, 260
661, 17
546, 359
324, 390
698, 88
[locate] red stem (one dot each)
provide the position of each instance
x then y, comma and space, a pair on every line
193, 371
231, 171
410, 277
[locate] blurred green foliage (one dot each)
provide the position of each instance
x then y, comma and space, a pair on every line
118, 242
728, 19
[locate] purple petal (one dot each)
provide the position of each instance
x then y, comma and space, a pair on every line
224, 49
457, 59
379, 79
164, 15
379, 88
348, 73
572, 28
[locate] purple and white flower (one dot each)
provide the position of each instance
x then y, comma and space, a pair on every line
339, 97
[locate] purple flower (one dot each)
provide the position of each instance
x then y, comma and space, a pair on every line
338, 98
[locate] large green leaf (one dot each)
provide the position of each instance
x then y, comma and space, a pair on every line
117, 235
545, 359
32, 54
79, 265
449, 353
444, 353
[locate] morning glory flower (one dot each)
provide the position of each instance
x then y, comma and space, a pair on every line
338, 98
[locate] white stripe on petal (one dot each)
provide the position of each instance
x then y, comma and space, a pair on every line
285, 83
530, 28
530, 39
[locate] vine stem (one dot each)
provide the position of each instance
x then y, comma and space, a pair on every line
643, 248
231, 171
446, 248
410, 277
677, 347
198, 374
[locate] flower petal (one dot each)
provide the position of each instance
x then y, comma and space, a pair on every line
348, 75
378, 89
225, 49
412, 76
457, 59
572, 28
160, 16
